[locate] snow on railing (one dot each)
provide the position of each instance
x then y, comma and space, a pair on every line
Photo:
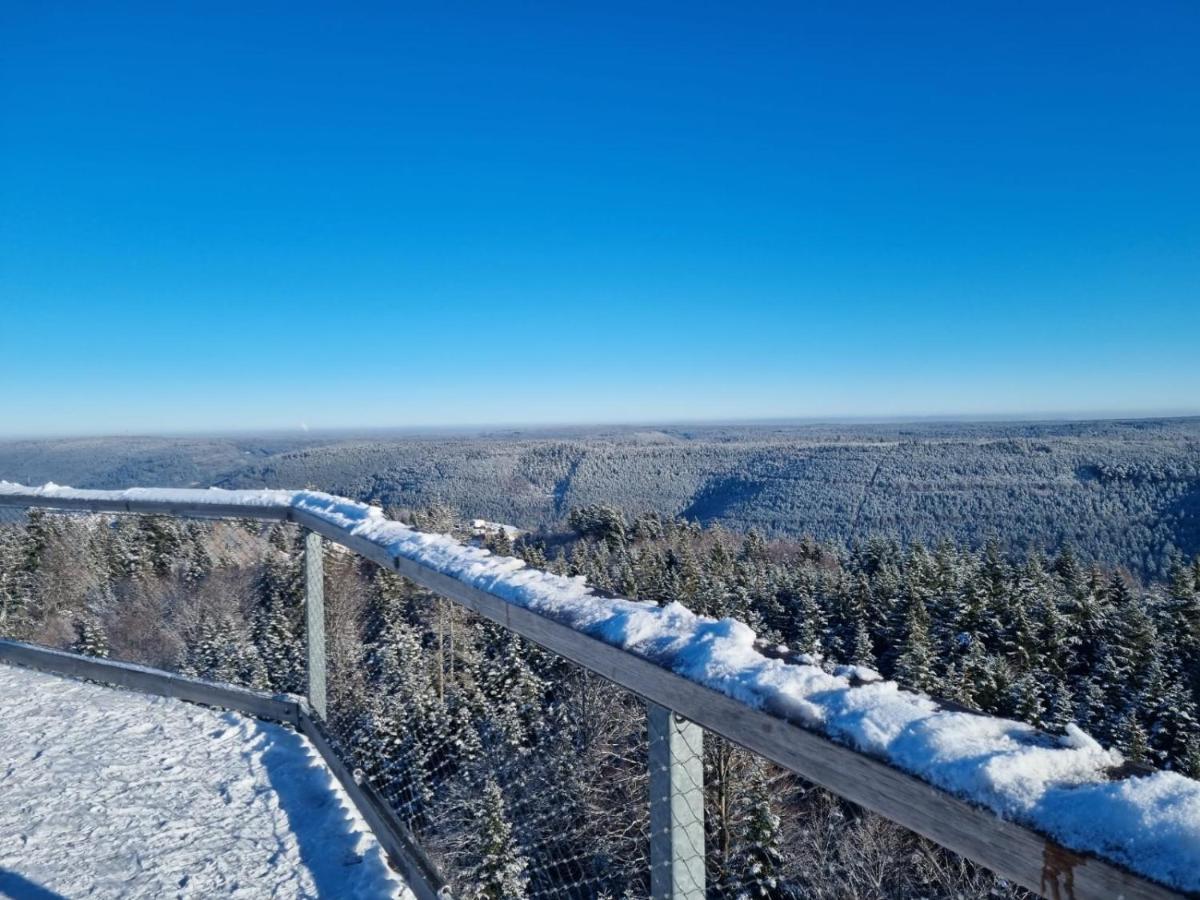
1066, 788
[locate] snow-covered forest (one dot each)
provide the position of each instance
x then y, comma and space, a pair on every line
524, 776
1122, 493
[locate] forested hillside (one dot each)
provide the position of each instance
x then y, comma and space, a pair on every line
1122, 493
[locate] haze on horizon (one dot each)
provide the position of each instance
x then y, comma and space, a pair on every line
301, 216
534, 429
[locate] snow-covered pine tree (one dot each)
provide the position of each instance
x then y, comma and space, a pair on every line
437, 518
807, 623
1168, 710
38, 533
914, 666
1069, 571
1131, 738
14, 582
513, 690
197, 561
499, 542
162, 540
1060, 704
1129, 646
1055, 648
1182, 614
649, 574
500, 872
407, 722
220, 651
534, 554
759, 859
850, 636
1025, 699
754, 547
92, 639
278, 626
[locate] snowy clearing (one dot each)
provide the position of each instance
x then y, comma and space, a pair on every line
1058, 785
110, 793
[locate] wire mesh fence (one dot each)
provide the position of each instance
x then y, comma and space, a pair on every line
220, 600
520, 774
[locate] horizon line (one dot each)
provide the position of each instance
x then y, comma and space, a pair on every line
1015, 418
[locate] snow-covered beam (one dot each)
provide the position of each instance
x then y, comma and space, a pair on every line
211, 503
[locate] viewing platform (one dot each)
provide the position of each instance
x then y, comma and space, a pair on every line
484, 717
108, 792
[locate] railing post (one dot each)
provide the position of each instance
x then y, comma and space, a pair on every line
677, 869
314, 616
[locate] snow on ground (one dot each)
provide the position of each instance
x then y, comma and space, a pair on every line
110, 793
1060, 786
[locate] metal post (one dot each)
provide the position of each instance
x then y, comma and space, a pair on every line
676, 806
314, 593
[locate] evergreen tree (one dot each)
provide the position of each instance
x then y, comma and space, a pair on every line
861, 651
408, 723
1131, 738
500, 872
1060, 706
760, 859
1025, 699
219, 651
14, 583
807, 622
162, 541
197, 561
984, 681
92, 639
514, 691
38, 533
279, 623
601, 522
914, 667
499, 541
1169, 711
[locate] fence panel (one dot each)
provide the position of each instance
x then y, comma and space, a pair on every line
221, 600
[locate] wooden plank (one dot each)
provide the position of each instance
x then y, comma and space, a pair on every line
151, 681
314, 619
402, 848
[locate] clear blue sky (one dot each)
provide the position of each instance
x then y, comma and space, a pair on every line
352, 214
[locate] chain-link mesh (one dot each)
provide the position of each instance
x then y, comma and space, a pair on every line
220, 600
520, 774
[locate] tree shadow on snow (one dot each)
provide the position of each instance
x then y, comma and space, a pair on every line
18, 887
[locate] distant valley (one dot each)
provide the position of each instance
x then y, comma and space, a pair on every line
1124, 493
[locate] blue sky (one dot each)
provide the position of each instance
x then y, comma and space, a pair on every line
352, 214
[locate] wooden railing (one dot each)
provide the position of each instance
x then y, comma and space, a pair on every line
1011, 850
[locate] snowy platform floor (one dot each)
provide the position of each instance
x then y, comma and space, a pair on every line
110, 793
